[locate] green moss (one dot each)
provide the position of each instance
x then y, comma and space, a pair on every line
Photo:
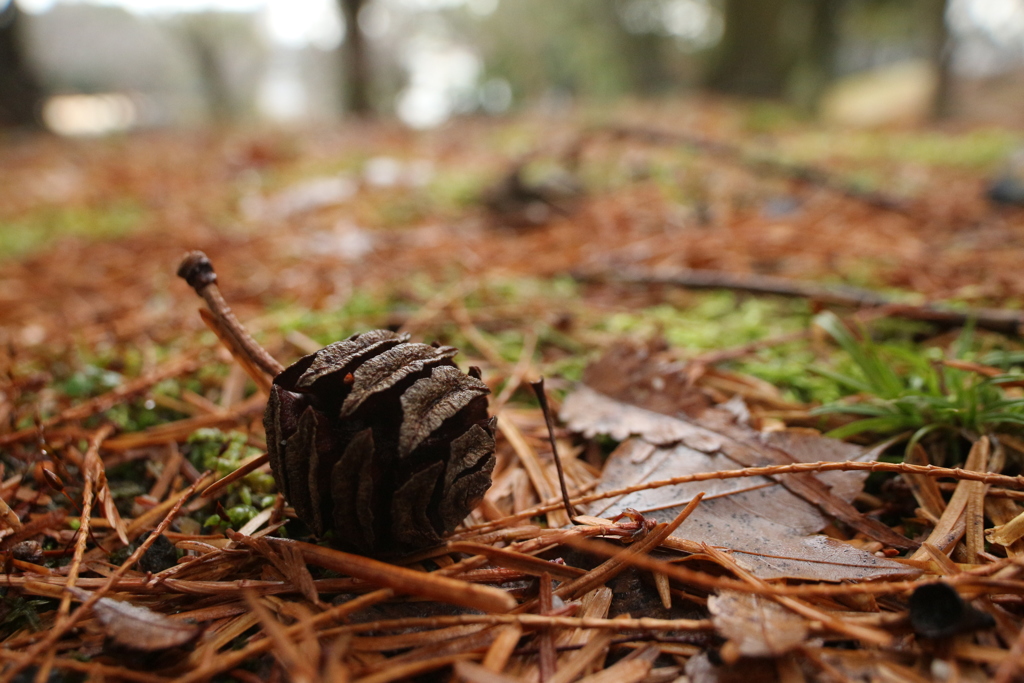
221, 452
786, 368
716, 320
457, 189
29, 233
975, 150
768, 117
570, 368
90, 381
363, 310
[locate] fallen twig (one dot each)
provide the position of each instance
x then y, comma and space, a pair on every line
769, 165
994, 319
1014, 482
403, 580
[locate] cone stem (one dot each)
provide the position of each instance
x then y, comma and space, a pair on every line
197, 270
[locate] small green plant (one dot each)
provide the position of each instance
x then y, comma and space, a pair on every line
899, 390
18, 612
223, 452
90, 381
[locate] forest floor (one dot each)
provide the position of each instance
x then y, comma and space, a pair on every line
114, 398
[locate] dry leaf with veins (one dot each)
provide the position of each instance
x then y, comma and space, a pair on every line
755, 626
768, 527
139, 628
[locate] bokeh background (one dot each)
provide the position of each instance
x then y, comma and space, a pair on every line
94, 67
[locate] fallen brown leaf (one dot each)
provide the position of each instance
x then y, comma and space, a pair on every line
139, 628
768, 526
754, 625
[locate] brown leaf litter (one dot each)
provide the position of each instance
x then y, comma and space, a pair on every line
766, 561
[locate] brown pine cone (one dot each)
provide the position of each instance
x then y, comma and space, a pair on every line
382, 442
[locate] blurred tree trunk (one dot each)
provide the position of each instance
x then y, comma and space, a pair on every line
21, 95
643, 54
215, 87
750, 59
355, 61
823, 47
942, 51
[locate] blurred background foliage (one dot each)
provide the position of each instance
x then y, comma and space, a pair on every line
90, 67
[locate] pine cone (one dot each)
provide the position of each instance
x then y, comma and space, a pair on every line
383, 442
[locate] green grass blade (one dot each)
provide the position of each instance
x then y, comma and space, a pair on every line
882, 425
